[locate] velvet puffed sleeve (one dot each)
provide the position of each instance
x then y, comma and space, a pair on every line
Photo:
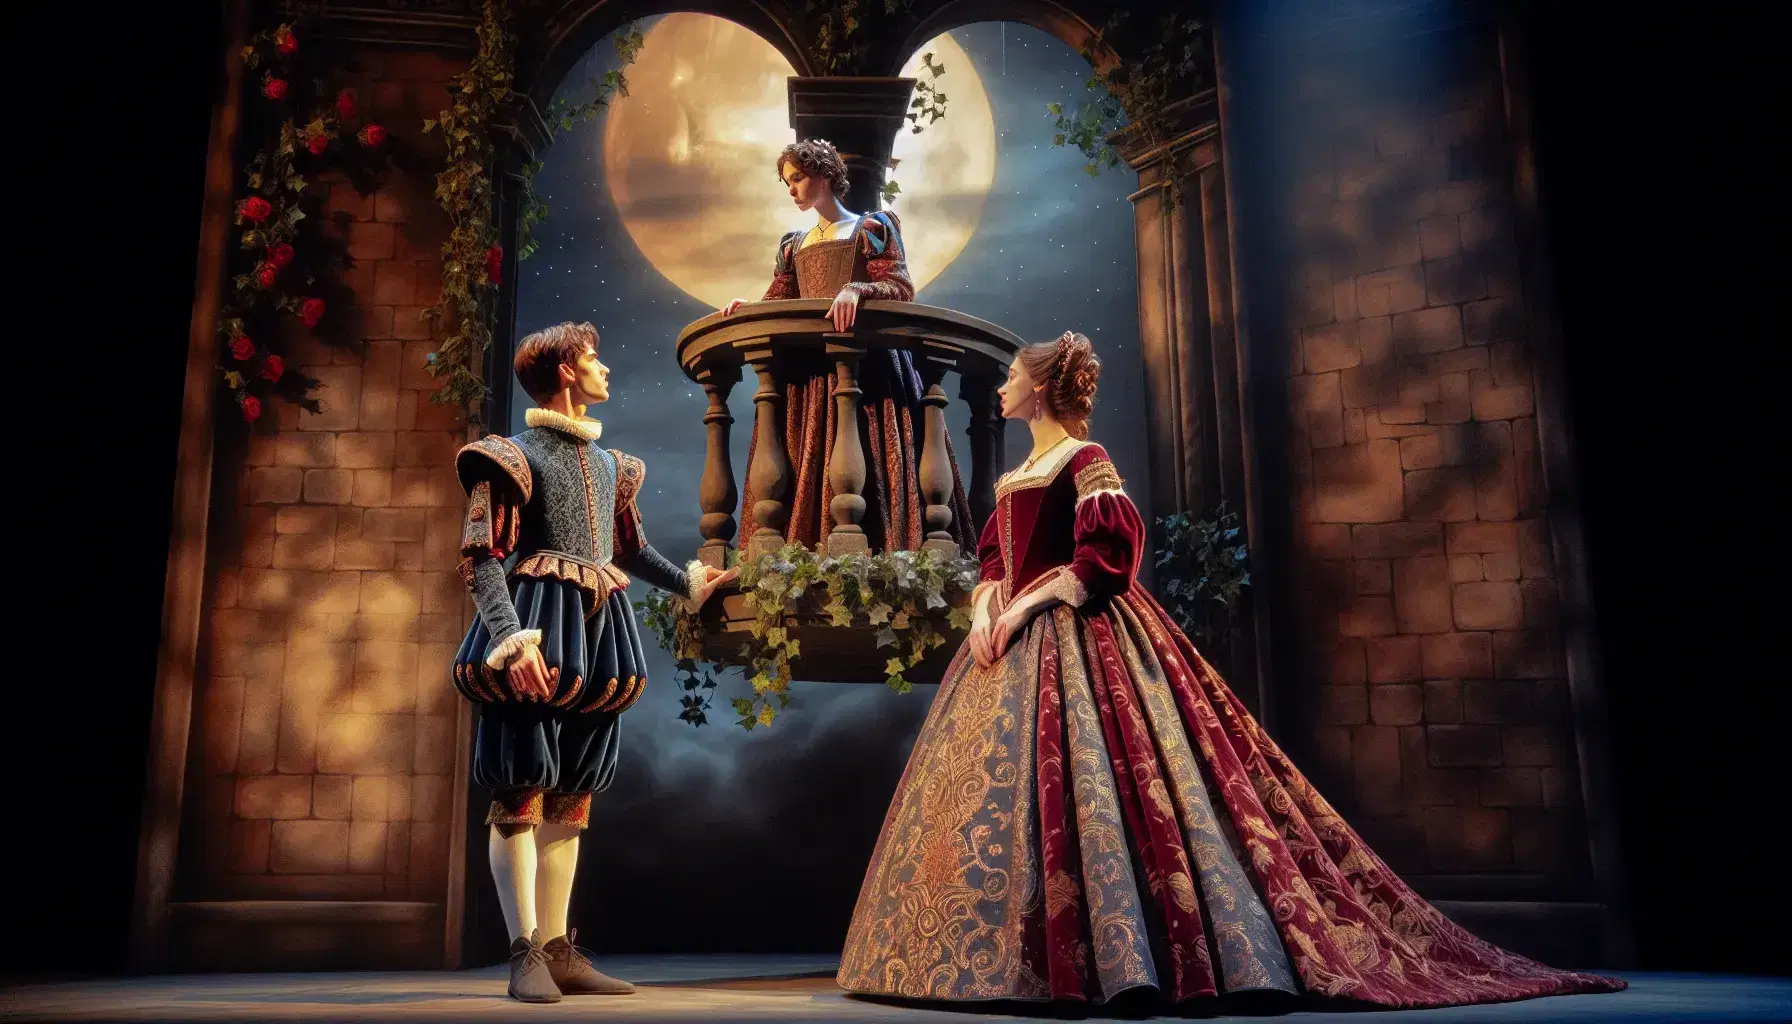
783, 284
1110, 534
632, 552
886, 261
498, 482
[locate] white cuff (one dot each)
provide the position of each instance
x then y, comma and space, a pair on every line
502, 655
693, 575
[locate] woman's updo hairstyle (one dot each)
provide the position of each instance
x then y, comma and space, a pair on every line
1070, 371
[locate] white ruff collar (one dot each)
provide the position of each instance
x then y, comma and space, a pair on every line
583, 429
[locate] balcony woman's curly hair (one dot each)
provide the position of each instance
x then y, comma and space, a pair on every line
818, 159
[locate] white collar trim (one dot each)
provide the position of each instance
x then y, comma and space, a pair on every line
583, 429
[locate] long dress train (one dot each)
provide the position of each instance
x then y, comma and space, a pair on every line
1096, 812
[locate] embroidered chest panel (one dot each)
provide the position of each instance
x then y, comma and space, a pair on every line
575, 496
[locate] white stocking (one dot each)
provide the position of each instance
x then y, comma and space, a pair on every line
557, 854
513, 869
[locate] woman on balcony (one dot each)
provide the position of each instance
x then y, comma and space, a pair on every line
1089, 811
850, 257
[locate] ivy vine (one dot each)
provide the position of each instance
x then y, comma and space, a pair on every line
561, 115
1135, 92
930, 103
905, 595
298, 128
472, 256
1203, 568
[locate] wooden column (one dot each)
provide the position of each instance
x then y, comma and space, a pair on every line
716, 491
936, 470
768, 478
985, 433
846, 470
860, 116
1193, 403
183, 594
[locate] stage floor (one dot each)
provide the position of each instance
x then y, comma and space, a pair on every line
712, 989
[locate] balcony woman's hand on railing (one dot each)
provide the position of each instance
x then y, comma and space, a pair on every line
733, 306
845, 309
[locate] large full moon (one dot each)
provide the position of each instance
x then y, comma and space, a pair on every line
689, 155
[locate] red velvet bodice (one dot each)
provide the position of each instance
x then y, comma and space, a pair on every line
1069, 515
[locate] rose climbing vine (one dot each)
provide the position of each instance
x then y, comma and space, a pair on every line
903, 597
287, 270
473, 255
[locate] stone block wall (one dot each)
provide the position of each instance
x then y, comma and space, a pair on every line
1434, 682
324, 742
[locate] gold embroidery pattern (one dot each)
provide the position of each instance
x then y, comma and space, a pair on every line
1250, 953
1041, 475
1116, 919
597, 581
478, 533
1097, 477
500, 451
955, 873
631, 473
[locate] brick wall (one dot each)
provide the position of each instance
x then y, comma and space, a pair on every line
1425, 590
323, 748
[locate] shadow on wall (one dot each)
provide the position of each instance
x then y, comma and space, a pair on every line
1424, 672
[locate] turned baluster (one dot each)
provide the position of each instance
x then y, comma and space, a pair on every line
716, 491
768, 478
936, 470
985, 433
846, 469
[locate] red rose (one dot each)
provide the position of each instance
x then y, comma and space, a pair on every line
318, 144
274, 89
272, 367
251, 408
279, 254
494, 264
285, 41
265, 275
242, 348
345, 103
311, 311
372, 135
257, 209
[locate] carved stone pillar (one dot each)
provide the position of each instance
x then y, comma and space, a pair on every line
846, 470
861, 117
716, 491
768, 478
985, 433
1187, 334
936, 470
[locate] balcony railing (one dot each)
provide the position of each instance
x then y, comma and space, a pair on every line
777, 338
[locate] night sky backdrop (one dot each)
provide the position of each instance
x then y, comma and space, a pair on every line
714, 838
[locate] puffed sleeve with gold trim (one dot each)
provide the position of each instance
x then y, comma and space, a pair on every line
886, 261
632, 552
498, 483
1110, 534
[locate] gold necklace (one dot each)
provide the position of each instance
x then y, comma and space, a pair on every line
1028, 465
821, 236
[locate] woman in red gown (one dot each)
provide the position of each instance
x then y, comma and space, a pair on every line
1088, 810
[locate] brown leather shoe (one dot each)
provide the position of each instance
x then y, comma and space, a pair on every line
573, 973
531, 976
